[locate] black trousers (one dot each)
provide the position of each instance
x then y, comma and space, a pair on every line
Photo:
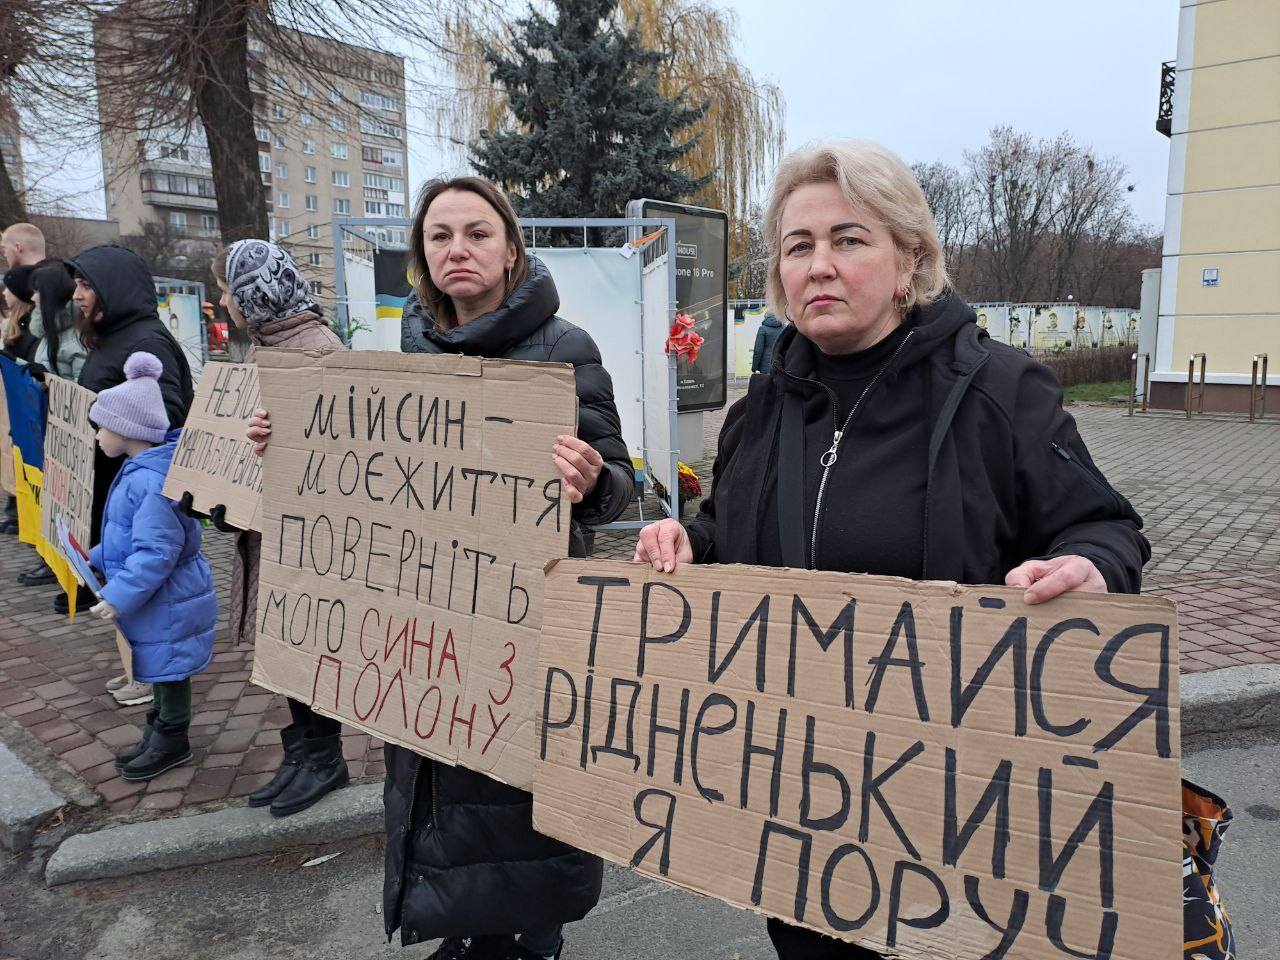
797, 943
313, 725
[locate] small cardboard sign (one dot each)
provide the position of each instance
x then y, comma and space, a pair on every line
929, 770
215, 461
69, 442
8, 479
409, 505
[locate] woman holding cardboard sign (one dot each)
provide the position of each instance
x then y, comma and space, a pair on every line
890, 434
463, 859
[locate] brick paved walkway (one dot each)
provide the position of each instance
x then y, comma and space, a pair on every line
1209, 490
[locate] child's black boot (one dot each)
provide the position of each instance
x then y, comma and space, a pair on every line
164, 751
138, 748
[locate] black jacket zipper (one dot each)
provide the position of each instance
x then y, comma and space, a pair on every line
1112, 497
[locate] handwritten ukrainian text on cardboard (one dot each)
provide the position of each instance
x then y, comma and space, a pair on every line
69, 442
929, 770
214, 461
409, 505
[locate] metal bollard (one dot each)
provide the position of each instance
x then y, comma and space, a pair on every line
1258, 389
1145, 358
1192, 394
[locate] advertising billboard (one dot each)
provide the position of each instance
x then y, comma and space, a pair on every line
702, 268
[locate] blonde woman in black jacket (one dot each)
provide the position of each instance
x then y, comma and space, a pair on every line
890, 435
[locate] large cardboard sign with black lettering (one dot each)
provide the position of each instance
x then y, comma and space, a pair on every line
409, 506
930, 770
69, 441
214, 461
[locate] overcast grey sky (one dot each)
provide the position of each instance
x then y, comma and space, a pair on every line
929, 78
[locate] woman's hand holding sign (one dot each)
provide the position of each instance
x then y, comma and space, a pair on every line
1045, 579
664, 546
259, 431
579, 465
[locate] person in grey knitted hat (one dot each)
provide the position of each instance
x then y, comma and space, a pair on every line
159, 588
134, 410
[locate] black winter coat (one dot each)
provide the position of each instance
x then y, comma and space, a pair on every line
462, 855
766, 340
1007, 476
127, 322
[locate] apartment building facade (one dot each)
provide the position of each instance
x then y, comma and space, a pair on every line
332, 143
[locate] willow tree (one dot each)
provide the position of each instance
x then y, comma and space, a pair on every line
735, 143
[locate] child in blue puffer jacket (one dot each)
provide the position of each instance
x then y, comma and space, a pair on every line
159, 588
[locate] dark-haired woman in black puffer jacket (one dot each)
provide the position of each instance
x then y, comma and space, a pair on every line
463, 860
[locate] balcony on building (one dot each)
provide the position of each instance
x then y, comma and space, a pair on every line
1164, 116
162, 188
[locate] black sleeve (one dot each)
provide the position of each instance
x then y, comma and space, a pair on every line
702, 528
600, 426
1066, 506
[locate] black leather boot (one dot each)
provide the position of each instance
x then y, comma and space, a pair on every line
140, 747
323, 771
164, 751
291, 737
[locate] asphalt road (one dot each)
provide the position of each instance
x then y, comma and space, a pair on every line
275, 908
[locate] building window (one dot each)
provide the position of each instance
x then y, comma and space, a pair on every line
178, 219
313, 259
277, 81
335, 94
338, 151
341, 178
281, 142
373, 208
379, 181
304, 88
277, 111
111, 196
111, 167
282, 199
316, 286
307, 118
341, 205
264, 162
337, 123
282, 228
392, 158
313, 231
378, 128
371, 154
309, 174
262, 134
395, 209
308, 146
379, 101
313, 203
282, 171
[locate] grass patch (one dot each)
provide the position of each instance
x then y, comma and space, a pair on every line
1096, 392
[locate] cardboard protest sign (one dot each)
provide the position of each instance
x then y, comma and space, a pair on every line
69, 441
214, 461
931, 770
8, 481
409, 504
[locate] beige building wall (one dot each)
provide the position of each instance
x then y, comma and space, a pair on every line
329, 147
1223, 208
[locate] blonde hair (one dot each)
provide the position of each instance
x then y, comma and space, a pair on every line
27, 234
872, 177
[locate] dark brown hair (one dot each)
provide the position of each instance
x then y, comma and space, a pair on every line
438, 303
16, 320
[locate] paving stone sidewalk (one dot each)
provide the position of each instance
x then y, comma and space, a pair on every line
1210, 491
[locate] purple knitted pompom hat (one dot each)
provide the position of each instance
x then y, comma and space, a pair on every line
135, 408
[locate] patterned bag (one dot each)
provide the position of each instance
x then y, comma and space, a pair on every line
1206, 929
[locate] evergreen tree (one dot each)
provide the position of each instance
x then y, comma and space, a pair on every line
592, 128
